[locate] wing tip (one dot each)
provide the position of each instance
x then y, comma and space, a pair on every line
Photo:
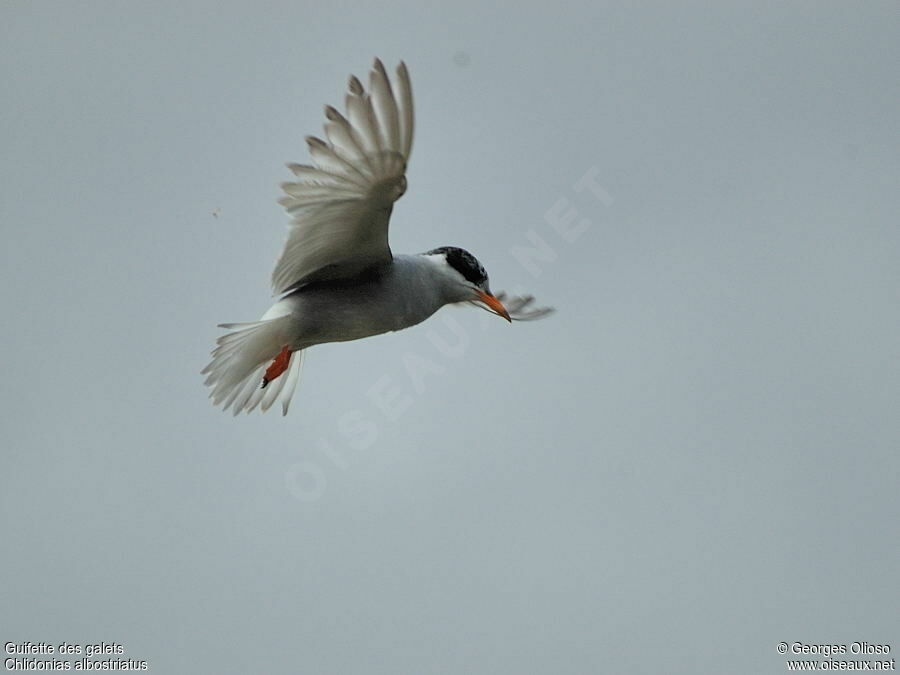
355, 86
332, 114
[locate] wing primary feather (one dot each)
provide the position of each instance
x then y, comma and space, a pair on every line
355, 86
405, 110
327, 159
359, 112
374, 131
321, 192
385, 107
340, 135
311, 174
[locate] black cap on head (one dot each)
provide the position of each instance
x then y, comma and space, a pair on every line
463, 262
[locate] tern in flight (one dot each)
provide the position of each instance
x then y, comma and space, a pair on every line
336, 278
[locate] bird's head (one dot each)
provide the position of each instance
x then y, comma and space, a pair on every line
465, 271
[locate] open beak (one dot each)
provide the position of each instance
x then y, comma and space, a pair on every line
493, 304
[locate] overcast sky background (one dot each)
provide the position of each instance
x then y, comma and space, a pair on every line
694, 459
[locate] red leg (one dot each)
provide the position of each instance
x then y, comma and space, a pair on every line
279, 365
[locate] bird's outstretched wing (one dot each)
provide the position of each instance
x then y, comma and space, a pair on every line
521, 307
341, 204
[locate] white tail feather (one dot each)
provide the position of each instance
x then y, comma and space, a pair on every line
291, 379
239, 362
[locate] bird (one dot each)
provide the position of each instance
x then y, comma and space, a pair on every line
336, 278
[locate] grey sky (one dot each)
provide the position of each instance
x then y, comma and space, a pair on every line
694, 459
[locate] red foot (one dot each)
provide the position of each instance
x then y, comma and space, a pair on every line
279, 365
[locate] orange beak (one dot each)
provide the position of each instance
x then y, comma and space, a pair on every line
493, 304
